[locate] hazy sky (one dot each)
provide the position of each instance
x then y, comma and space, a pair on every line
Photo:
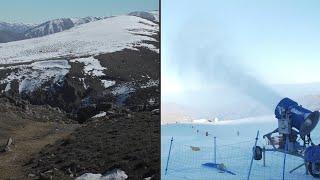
209, 44
35, 11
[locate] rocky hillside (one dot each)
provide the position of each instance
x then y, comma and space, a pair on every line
128, 141
102, 78
83, 73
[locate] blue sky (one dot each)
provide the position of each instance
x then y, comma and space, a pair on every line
209, 44
35, 11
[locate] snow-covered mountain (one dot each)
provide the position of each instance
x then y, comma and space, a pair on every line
103, 36
151, 16
57, 25
112, 60
8, 36
18, 31
15, 27
13, 31
50, 27
79, 21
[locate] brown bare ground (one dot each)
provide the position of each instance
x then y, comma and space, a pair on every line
29, 138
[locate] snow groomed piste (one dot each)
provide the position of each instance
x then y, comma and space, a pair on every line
196, 155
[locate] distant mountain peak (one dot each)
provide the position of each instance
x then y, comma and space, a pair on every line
15, 27
151, 16
18, 31
57, 25
79, 21
50, 27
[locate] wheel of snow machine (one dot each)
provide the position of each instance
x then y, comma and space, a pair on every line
310, 169
257, 153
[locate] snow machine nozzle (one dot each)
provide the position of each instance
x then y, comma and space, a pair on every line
290, 114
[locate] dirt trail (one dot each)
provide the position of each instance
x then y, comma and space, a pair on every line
29, 138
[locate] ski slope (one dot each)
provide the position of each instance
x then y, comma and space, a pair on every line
232, 150
102, 36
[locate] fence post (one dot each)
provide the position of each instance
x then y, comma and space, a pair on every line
255, 144
215, 150
168, 156
264, 156
285, 155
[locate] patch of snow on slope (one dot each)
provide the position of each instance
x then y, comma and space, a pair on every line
150, 83
84, 83
115, 174
8, 87
89, 176
91, 66
107, 83
102, 36
53, 64
101, 114
32, 76
123, 89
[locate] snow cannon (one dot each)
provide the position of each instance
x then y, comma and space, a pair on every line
293, 121
292, 115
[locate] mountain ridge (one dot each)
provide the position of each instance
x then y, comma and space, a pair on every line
57, 25
28, 31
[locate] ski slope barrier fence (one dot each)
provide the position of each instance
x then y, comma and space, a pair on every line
187, 162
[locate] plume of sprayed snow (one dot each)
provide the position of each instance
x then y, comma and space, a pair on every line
198, 54
227, 71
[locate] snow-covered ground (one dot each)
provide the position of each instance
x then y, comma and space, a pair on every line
125, 88
102, 36
32, 76
150, 83
91, 66
101, 114
34, 62
232, 150
116, 174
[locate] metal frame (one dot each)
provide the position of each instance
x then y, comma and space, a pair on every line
275, 149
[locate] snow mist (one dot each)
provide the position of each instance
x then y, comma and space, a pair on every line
202, 53
227, 71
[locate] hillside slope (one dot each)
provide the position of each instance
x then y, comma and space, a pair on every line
104, 76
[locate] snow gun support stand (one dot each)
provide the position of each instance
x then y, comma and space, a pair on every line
292, 136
